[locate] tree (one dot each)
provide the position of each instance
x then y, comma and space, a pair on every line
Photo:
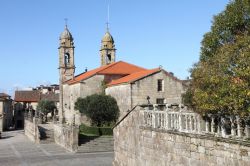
101, 109
232, 22
46, 106
221, 79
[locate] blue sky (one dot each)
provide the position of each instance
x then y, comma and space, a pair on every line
147, 33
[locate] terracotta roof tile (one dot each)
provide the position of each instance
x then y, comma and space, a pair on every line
134, 77
4, 95
119, 68
27, 96
34, 96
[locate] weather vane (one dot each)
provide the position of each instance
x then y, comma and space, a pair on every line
108, 16
66, 22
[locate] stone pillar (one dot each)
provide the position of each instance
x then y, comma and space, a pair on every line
212, 125
176, 121
198, 124
180, 122
219, 129
186, 121
190, 123
233, 132
162, 120
195, 123
153, 119
223, 130
207, 126
166, 120
239, 129
172, 121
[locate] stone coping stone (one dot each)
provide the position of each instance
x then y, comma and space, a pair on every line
205, 136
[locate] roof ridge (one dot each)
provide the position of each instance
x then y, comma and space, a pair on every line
145, 73
109, 65
134, 65
152, 71
172, 76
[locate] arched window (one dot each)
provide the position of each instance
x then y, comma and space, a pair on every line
108, 58
66, 58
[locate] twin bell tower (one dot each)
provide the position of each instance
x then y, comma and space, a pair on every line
66, 53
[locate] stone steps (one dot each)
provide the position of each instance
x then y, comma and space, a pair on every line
46, 134
96, 144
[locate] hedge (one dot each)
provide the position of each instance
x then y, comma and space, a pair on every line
98, 131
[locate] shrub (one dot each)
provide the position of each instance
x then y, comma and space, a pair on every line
101, 109
97, 131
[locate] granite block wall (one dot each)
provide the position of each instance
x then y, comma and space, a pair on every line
139, 146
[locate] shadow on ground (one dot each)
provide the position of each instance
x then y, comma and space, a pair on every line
85, 138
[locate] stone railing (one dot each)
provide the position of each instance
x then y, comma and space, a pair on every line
180, 119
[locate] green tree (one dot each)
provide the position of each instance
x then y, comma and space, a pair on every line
232, 22
101, 109
221, 79
46, 106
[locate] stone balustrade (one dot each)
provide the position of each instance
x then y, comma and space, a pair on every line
179, 118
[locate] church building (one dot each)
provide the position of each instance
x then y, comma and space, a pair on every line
129, 84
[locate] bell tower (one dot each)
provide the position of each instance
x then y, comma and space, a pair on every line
66, 66
107, 50
66, 56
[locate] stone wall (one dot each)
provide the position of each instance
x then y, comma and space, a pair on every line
1, 124
122, 94
172, 89
135, 145
31, 130
72, 92
66, 136
6, 113
130, 95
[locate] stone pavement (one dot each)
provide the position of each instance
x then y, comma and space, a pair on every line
17, 150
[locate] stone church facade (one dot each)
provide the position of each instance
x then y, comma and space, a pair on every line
129, 84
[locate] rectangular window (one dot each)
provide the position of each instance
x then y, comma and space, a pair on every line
160, 101
160, 85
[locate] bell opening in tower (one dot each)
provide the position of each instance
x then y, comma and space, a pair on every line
66, 59
108, 58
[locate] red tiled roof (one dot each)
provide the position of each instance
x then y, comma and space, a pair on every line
4, 95
119, 68
134, 77
27, 96
34, 96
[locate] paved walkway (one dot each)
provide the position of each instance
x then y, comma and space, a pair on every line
17, 150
